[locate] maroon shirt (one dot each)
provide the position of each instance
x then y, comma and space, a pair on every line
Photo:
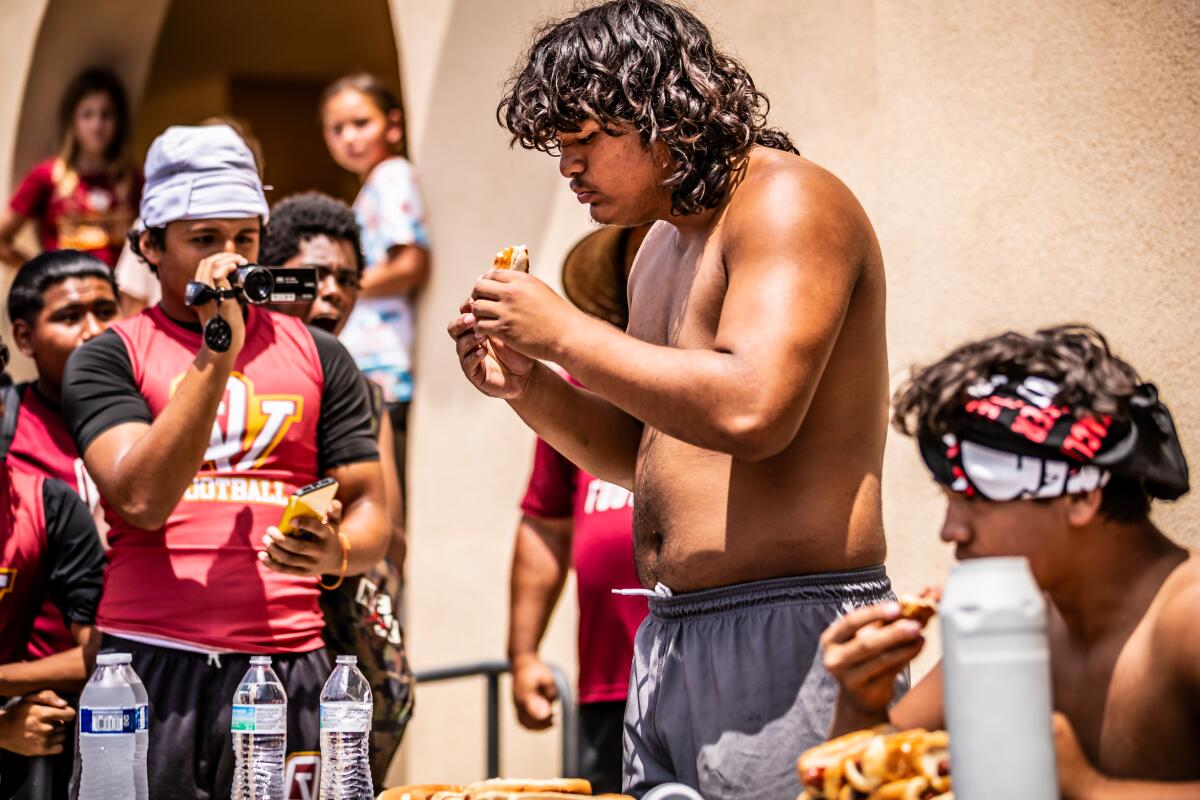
48, 547
42, 444
602, 555
294, 407
94, 216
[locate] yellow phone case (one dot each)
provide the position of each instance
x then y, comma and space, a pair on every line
314, 504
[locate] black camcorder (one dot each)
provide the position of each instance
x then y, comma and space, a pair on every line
259, 285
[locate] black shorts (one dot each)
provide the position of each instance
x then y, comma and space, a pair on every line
191, 696
600, 728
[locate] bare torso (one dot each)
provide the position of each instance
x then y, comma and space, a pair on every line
705, 519
1127, 702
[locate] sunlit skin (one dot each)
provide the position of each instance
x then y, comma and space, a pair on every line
358, 134
749, 392
75, 311
191, 242
337, 280
1121, 602
615, 174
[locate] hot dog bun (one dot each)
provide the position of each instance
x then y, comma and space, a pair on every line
919, 608
514, 256
424, 791
558, 786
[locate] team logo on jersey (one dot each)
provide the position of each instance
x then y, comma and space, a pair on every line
249, 426
302, 778
7, 578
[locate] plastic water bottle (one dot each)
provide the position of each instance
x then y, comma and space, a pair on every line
996, 679
259, 726
345, 734
111, 715
141, 736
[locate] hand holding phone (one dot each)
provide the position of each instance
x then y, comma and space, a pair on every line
310, 501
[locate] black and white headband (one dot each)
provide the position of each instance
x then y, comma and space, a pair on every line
1014, 442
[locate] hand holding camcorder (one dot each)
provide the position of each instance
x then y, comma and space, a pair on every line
255, 284
258, 285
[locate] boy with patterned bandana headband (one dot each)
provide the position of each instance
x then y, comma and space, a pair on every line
195, 441
1051, 448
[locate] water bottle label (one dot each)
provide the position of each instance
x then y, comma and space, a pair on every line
109, 720
259, 719
346, 717
141, 718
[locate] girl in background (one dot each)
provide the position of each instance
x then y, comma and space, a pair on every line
363, 127
85, 197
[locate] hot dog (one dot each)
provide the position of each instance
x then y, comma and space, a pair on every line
514, 256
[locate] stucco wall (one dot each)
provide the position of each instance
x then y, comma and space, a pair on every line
1024, 163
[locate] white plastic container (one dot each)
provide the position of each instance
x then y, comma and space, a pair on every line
996, 679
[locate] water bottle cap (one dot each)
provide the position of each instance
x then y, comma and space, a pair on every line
351, 660
260, 661
107, 659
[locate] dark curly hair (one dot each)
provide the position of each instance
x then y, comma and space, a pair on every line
1092, 381
651, 64
299, 218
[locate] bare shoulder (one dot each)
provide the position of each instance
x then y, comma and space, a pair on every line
783, 195
649, 251
1176, 626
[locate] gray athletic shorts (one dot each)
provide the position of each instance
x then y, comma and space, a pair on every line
728, 685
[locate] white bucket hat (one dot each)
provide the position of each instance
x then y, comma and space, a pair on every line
202, 172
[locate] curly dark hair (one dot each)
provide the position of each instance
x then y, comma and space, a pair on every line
651, 64
1092, 381
300, 217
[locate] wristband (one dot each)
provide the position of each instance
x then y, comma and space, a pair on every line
198, 294
345, 562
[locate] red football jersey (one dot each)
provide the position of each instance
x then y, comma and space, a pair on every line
42, 444
197, 580
22, 559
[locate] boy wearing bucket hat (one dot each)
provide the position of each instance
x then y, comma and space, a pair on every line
197, 419
1051, 448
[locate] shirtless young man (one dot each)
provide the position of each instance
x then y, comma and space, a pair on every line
745, 406
1037, 463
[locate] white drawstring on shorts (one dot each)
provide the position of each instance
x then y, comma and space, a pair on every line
214, 660
660, 590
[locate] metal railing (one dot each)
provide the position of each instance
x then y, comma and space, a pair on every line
491, 671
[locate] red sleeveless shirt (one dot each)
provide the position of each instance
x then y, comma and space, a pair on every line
22, 558
197, 580
42, 444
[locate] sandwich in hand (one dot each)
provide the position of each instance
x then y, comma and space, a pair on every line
878, 764
512, 257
